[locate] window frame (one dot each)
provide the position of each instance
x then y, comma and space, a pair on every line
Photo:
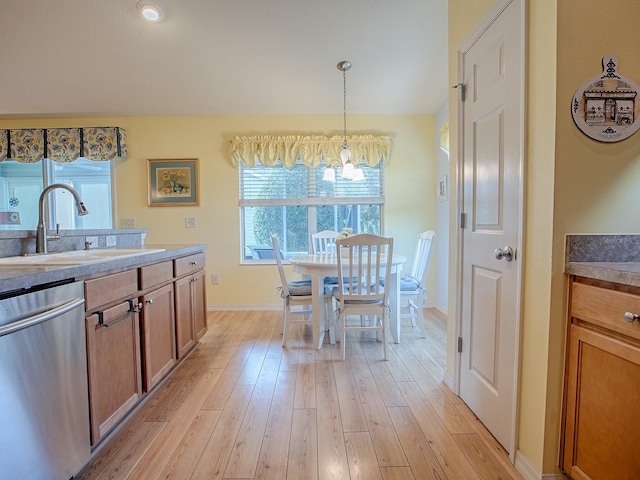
311, 201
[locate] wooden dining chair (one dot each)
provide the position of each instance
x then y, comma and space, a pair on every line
413, 291
298, 294
360, 291
324, 242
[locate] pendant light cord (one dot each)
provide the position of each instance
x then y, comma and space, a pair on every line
344, 88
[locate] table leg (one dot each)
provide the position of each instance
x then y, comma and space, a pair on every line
317, 304
394, 302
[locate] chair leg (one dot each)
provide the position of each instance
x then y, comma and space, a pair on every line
412, 312
420, 315
285, 324
331, 321
385, 324
343, 337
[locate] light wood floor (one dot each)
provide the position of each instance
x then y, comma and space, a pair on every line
240, 406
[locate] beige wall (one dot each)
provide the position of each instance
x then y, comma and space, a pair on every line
410, 183
573, 184
596, 184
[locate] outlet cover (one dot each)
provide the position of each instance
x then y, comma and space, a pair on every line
190, 222
91, 242
214, 279
111, 241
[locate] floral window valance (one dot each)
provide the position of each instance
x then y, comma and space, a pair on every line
29, 145
311, 149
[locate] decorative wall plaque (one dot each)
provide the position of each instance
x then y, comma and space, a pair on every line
606, 107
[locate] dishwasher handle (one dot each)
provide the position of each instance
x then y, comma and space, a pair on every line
41, 317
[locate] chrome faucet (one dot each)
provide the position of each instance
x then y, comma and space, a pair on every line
41, 232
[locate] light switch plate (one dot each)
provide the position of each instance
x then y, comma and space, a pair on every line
127, 223
190, 222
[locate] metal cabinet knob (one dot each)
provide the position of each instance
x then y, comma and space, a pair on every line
505, 253
631, 317
150, 300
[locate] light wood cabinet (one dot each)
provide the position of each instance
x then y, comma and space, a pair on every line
191, 315
113, 349
602, 383
115, 375
139, 323
158, 335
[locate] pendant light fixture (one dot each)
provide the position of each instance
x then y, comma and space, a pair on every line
345, 154
348, 170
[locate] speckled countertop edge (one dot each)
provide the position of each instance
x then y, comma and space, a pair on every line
17, 278
613, 258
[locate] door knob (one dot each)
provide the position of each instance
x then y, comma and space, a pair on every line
505, 253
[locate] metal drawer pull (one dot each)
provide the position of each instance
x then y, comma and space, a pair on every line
132, 311
193, 263
631, 317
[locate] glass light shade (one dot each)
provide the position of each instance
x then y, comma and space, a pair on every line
329, 175
345, 154
347, 171
358, 175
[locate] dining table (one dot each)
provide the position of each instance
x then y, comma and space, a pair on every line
321, 265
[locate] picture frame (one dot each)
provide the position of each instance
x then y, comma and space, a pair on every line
443, 193
173, 182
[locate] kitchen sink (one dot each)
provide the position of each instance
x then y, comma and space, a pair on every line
75, 257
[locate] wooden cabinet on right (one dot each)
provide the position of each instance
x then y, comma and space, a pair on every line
602, 382
191, 314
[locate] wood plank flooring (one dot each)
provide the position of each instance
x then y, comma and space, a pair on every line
242, 407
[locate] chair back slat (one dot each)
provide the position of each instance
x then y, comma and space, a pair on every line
362, 266
422, 259
324, 242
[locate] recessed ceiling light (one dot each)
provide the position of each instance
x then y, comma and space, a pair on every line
150, 11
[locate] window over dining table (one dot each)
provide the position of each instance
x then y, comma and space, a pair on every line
294, 202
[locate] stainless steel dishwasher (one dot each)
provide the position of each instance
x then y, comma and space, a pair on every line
44, 412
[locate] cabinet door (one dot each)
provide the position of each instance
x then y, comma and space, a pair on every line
158, 335
185, 326
200, 304
113, 358
602, 420
191, 311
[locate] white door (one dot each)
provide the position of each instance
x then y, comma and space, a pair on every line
492, 198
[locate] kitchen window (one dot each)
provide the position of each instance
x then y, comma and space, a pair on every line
295, 202
22, 183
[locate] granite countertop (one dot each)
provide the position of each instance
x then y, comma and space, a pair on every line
18, 278
613, 258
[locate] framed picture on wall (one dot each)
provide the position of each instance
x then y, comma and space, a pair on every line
442, 189
173, 182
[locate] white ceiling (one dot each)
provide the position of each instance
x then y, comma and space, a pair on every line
210, 57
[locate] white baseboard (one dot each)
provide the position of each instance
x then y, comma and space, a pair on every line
529, 472
441, 308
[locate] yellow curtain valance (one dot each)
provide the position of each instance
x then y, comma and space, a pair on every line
29, 145
311, 149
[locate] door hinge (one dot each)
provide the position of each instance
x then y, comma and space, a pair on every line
463, 220
459, 344
462, 90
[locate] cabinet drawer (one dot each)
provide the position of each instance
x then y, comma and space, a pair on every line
188, 264
605, 308
155, 274
107, 289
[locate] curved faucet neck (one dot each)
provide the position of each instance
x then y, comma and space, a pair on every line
41, 231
